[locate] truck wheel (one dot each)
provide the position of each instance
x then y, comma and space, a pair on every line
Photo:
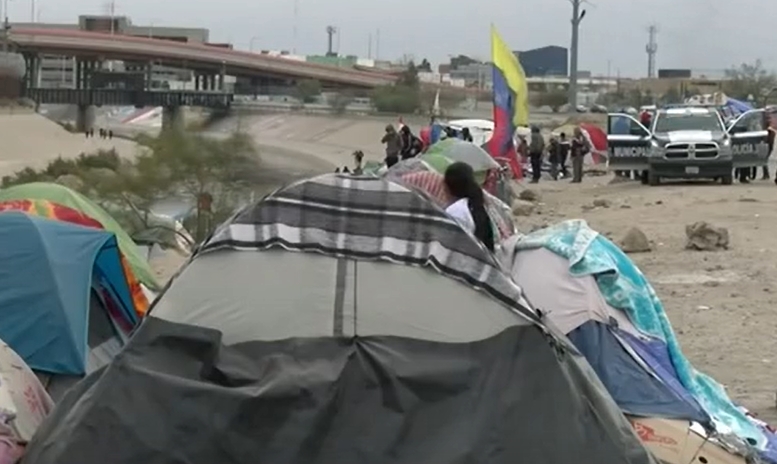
643, 177
728, 179
653, 179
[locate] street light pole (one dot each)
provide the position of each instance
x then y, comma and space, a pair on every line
4, 36
577, 16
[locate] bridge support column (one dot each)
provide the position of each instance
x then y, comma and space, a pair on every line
32, 75
172, 118
85, 118
84, 70
149, 76
222, 76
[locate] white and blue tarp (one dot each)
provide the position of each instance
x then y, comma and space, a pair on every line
639, 359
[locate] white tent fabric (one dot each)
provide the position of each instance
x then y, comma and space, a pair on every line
567, 301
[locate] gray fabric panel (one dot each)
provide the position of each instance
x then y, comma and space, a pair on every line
272, 295
340, 289
413, 302
254, 295
514, 398
368, 218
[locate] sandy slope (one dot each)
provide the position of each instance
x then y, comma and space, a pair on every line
28, 139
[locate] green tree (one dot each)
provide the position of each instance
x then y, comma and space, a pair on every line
671, 96
174, 164
450, 98
402, 97
339, 101
192, 167
409, 77
396, 99
749, 80
308, 89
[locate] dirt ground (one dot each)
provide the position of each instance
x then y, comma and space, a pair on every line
722, 305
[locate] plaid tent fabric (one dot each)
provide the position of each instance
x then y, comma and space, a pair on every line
433, 184
369, 218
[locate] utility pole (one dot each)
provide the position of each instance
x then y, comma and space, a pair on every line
6, 26
296, 20
113, 16
577, 16
330, 32
651, 48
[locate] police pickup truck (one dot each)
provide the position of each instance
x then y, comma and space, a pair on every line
687, 143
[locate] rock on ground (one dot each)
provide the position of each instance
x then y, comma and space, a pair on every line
702, 236
522, 208
602, 203
529, 195
635, 241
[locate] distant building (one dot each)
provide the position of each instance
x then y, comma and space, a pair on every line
477, 75
674, 73
546, 61
59, 71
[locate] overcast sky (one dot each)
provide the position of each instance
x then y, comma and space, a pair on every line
705, 35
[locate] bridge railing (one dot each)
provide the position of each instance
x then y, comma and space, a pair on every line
123, 97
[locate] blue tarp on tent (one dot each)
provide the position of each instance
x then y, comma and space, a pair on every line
46, 273
737, 106
636, 390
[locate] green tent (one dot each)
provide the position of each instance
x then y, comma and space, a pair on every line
458, 150
436, 161
62, 195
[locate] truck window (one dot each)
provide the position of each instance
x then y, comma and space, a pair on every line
624, 125
687, 122
752, 122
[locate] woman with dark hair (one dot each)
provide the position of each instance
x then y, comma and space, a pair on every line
469, 209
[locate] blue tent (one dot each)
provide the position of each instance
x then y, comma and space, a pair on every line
47, 272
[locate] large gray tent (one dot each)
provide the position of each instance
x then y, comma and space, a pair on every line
341, 320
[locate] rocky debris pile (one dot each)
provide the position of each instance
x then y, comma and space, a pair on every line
702, 236
526, 203
635, 241
522, 208
529, 195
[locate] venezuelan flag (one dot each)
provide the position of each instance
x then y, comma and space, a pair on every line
511, 101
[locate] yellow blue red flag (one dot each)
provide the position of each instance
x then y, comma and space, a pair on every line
511, 100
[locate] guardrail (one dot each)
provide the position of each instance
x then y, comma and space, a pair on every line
120, 97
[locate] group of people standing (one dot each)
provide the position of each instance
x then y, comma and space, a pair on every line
558, 150
104, 133
403, 144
